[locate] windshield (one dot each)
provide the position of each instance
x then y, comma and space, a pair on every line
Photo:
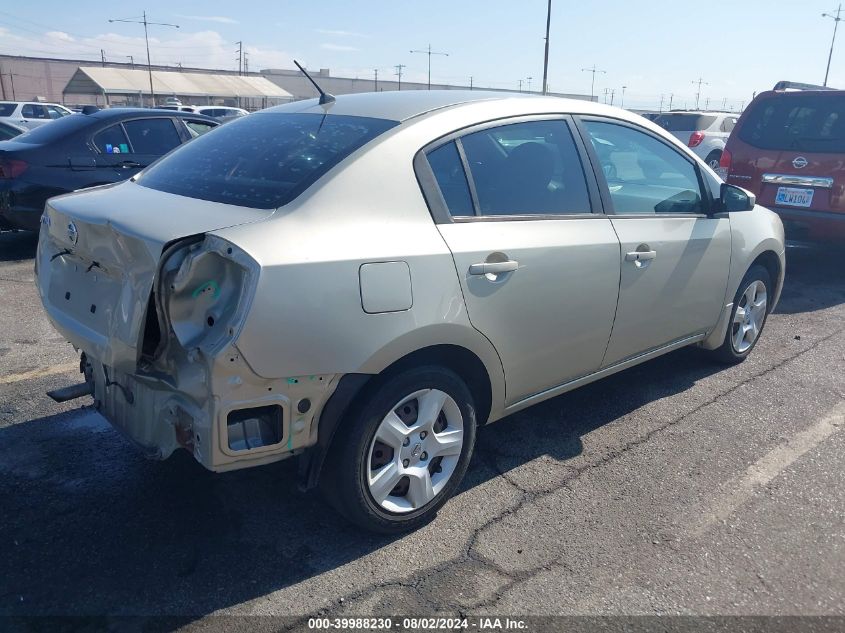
807, 122
684, 122
264, 160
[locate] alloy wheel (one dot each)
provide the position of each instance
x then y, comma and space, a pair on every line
415, 451
749, 317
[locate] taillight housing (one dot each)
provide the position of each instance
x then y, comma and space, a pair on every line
10, 169
695, 139
725, 160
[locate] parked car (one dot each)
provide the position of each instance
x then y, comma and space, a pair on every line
788, 148
31, 114
704, 132
180, 108
10, 130
223, 113
364, 283
85, 150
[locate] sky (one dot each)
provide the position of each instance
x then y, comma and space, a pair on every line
651, 47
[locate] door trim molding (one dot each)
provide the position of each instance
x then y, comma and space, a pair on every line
602, 373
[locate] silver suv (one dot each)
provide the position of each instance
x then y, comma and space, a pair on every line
30, 115
363, 283
704, 132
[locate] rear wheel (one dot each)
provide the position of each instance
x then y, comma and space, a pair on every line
713, 159
750, 309
403, 452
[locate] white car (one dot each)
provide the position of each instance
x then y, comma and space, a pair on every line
704, 132
363, 282
222, 113
31, 114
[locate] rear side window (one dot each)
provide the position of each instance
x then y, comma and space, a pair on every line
264, 160
685, 122
530, 168
7, 109
152, 136
728, 124
34, 111
112, 140
805, 122
449, 172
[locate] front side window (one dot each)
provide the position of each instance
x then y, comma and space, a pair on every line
152, 136
112, 140
263, 160
449, 173
530, 168
57, 112
644, 175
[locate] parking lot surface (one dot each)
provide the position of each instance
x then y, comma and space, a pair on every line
676, 487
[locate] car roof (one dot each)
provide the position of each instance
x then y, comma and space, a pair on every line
406, 104
700, 112
115, 113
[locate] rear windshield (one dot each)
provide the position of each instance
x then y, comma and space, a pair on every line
6, 109
264, 160
55, 130
806, 122
684, 122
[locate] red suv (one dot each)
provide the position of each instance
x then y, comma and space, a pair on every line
788, 148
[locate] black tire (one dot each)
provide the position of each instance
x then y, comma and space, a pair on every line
344, 478
727, 352
713, 159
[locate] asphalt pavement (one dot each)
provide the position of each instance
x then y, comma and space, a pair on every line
676, 487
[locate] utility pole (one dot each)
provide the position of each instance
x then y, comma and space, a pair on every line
147, 40
836, 20
622, 101
546, 56
520, 85
375, 70
612, 94
594, 70
605, 95
470, 82
700, 83
660, 107
671, 97
103, 57
246, 63
398, 73
724, 103
240, 57
430, 52
529, 83
131, 61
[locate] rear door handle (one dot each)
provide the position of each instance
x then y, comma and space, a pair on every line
639, 256
495, 268
129, 164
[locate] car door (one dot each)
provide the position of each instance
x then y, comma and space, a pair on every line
34, 115
675, 258
151, 138
537, 260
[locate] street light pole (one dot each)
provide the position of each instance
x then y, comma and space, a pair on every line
430, 52
836, 21
622, 100
546, 56
700, 83
593, 70
146, 23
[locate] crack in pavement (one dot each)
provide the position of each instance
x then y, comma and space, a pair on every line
413, 582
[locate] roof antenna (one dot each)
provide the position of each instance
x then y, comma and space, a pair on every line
325, 97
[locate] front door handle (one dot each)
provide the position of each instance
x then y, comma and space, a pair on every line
493, 268
129, 164
640, 256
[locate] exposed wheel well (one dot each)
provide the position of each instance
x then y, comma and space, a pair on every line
461, 361
770, 261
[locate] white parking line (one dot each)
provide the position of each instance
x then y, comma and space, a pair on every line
38, 373
739, 490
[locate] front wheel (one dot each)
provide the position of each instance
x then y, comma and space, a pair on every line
403, 451
751, 307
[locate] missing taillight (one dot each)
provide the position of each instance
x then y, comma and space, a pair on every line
10, 169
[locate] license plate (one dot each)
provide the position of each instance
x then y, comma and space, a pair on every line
794, 197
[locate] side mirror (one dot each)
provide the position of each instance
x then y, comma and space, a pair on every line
733, 198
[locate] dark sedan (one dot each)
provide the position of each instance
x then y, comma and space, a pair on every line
85, 150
